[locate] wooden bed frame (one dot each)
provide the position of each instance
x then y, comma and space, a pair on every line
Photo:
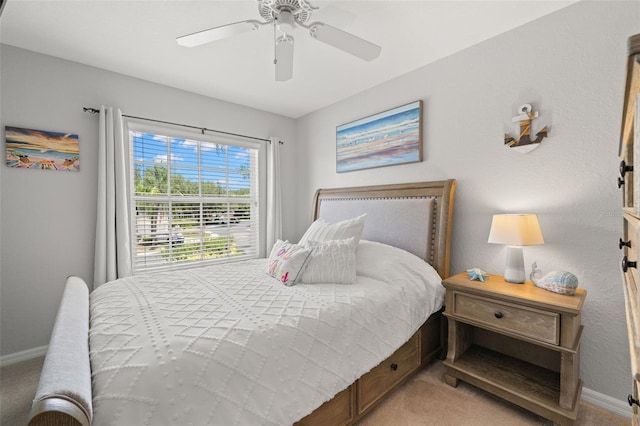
392, 210
429, 341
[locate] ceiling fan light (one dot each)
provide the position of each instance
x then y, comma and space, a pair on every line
284, 58
285, 39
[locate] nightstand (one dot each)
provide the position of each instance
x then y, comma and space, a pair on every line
516, 341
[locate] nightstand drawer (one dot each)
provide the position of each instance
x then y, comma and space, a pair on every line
527, 322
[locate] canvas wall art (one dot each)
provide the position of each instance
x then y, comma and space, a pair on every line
384, 139
41, 149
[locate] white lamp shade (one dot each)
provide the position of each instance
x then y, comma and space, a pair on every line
515, 230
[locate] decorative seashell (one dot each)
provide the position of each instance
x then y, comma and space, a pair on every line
561, 282
477, 274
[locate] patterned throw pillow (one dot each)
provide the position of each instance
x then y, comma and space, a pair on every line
320, 230
331, 262
287, 261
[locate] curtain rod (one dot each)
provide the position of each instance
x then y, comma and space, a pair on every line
202, 129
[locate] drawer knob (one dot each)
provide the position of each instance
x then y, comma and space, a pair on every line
626, 264
620, 182
624, 168
394, 367
624, 244
498, 314
632, 401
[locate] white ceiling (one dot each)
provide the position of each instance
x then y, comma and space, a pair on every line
137, 38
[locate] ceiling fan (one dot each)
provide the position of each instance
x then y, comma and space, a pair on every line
285, 15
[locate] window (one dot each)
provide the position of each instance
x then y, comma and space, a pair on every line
195, 198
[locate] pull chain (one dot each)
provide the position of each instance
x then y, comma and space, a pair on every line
275, 52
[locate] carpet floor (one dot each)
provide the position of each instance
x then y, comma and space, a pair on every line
426, 400
423, 400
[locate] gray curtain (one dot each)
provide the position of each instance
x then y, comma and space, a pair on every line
274, 196
113, 236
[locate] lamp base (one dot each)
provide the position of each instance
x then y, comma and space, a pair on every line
514, 270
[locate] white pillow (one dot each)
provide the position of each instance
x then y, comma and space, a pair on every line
331, 261
380, 261
320, 230
398, 267
287, 261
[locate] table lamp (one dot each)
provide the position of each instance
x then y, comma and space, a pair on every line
515, 230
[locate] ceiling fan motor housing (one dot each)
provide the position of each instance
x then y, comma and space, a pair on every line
299, 10
286, 21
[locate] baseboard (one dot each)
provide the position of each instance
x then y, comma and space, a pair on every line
606, 402
23, 355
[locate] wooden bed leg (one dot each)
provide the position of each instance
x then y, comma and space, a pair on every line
444, 336
451, 381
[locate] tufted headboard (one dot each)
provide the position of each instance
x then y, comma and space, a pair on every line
415, 217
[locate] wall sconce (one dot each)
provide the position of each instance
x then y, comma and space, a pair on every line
515, 230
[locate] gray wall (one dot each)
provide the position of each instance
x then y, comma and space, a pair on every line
570, 65
48, 218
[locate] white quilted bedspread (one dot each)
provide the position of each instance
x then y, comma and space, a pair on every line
229, 345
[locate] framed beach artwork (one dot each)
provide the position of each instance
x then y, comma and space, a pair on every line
384, 139
41, 149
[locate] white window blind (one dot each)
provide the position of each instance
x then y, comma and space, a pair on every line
195, 198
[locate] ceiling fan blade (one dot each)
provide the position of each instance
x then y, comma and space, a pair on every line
342, 40
218, 33
284, 58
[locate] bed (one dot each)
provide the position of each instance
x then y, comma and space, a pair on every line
151, 349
